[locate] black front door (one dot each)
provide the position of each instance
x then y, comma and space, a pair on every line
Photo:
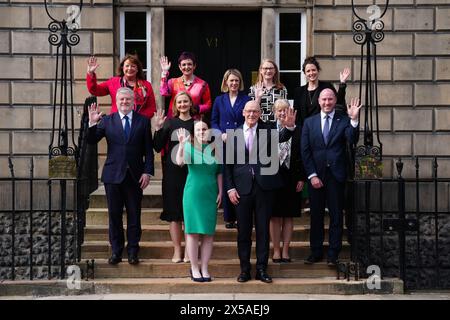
220, 40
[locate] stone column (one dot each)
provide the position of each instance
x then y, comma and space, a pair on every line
157, 47
268, 26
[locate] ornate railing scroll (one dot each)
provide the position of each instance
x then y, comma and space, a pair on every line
367, 33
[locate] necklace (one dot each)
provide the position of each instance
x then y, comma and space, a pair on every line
187, 83
311, 98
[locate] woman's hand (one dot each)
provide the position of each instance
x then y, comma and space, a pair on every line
92, 65
259, 91
219, 200
159, 119
182, 136
343, 76
165, 64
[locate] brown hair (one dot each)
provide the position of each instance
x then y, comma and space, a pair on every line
135, 60
276, 76
311, 60
175, 111
185, 55
228, 73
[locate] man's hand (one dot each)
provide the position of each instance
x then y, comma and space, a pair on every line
300, 185
234, 197
316, 183
224, 137
289, 119
353, 109
144, 181
92, 65
94, 113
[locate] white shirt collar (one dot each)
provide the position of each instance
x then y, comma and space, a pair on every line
130, 115
331, 114
246, 127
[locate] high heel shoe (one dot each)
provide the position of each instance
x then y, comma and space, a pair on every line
195, 279
206, 279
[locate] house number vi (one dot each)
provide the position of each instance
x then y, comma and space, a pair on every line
212, 42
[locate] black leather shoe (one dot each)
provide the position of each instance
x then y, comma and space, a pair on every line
277, 260
286, 260
312, 259
244, 277
133, 259
231, 225
263, 276
114, 259
332, 262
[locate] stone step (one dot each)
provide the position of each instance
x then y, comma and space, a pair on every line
222, 250
326, 286
161, 233
165, 268
152, 196
150, 216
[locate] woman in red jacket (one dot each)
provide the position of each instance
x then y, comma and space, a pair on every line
131, 75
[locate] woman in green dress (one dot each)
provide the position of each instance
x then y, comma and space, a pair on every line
201, 198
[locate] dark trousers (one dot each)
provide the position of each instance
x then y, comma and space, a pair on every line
257, 207
128, 194
330, 195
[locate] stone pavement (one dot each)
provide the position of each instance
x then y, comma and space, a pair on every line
442, 295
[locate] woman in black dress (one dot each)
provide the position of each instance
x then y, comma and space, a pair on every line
287, 198
174, 176
306, 98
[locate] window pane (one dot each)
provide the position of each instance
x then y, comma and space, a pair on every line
139, 48
290, 26
290, 56
135, 25
291, 80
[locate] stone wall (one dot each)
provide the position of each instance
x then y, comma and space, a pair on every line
26, 82
413, 71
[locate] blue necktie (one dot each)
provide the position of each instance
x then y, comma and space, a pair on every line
127, 128
326, 129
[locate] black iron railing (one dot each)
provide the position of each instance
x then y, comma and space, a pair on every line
402, 224
42, 237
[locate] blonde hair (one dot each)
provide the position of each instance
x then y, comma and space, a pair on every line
276, 76
234, 72
175, 111
280, 103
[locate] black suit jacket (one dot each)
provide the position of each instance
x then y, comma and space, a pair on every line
318, 156
264, 163
305, 110
136, 153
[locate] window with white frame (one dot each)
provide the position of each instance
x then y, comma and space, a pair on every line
135, 36
291, 47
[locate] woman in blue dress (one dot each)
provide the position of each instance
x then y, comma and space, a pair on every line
227, 114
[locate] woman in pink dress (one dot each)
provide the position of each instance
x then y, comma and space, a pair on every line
131, 75
197, 88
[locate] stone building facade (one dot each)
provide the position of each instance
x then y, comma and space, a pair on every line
413, 66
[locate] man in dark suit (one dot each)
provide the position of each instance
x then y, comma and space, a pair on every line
323, 149
251, 178
127, 169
